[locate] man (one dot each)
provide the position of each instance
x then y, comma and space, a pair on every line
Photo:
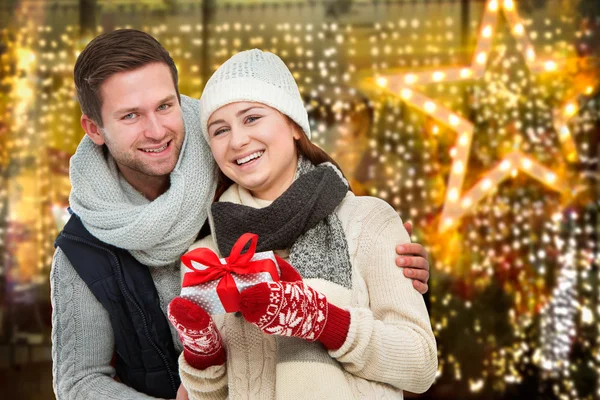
142, 181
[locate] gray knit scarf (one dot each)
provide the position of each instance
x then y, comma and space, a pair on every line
155, 232
302, 219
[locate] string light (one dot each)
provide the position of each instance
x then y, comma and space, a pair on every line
558, 316
443, 115
494, 238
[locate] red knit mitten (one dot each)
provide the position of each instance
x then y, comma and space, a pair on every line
202, 344
287, 272
295, 309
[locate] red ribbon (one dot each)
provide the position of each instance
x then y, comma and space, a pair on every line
237, 263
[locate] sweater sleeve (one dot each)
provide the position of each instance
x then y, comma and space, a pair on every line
207, 384
210, 383
82, 340
391, 341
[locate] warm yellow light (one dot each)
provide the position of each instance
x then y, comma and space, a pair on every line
505, 165
466, 203
550, 66
550, 177
435, 129
564, 132
587, 317
410, 79
459, 167
406, 93
589, 90
382, 82
429, 106
453, 195
509, 5
519, 29
453, 152
26, 59
476, 386
487, 31
530, 53
464, 139
454, 120
570, 109
448, 222
486, 184
493, 6
465, 73
22, 89
526, 163
438, 76
481, 57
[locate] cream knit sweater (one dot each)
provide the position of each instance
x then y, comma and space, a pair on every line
390, 344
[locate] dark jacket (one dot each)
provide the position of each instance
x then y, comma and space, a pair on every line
146, 359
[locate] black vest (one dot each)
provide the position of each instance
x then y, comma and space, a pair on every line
145, 355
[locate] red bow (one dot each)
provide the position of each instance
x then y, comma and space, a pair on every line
237, 263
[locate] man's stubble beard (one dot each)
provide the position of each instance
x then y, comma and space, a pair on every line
126, 159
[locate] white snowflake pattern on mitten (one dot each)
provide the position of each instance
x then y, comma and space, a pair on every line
294, 310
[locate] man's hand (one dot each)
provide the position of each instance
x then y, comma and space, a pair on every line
182, 394
413, 258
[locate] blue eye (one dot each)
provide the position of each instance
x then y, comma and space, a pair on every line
163, 107
129, 116
253, 118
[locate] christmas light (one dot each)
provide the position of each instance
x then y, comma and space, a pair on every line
443, 115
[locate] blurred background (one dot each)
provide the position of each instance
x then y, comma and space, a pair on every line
479, 121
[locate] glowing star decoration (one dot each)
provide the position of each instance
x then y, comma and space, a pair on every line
456, 202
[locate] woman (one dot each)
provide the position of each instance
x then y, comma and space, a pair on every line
347, 324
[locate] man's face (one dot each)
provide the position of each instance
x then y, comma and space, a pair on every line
143, 124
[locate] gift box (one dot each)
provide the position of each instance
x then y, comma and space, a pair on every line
215, 283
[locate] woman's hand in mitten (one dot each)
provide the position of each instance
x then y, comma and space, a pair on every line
202, 344
295, 309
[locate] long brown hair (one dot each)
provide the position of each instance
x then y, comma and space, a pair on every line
304, 148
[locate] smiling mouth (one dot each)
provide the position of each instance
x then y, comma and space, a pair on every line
249, 158
160, 149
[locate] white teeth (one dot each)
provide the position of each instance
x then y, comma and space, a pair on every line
156, 150
249, 158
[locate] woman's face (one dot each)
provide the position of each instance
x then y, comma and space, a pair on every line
253, 145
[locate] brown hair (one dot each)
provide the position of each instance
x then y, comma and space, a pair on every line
304, 147
110, 53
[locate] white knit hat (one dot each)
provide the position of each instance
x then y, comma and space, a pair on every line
254, 76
